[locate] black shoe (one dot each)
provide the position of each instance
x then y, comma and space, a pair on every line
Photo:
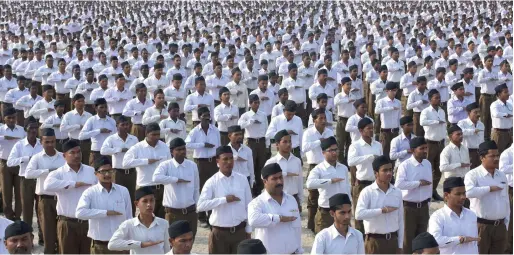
436, 197
41, 242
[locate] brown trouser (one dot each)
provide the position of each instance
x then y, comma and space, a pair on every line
127, 178
188, 214
386, 136
433, 155
100, 247
415, 222
296, 152
493, 239
20, 118
138, 130
85, 148
28, 198
224, 138
308, 104
406, 112
356, 191
10, 184
48, 213
474, 158
502, 137
207, 167
72, 236
90, 108
158, 191
343, 139
260, 155
224, 240
312, 203
381, 245
93, 155
300, 112
485, 113
59, 143
477, 94
66, 99
323, 219
508, 249
417, 128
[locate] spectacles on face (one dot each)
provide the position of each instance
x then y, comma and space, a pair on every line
105, 172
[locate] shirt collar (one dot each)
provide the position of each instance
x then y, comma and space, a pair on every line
328, 165
25, 141
483, 172
138, 222
333, 233
374, 185
176, 164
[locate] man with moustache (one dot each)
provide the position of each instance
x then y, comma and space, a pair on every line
18, 238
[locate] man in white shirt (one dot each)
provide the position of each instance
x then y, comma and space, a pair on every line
181, 237
69, 182
197, 100
226, 114
105, 205
473, 133
290, 122
455, 226
227, 194
181, 186
506, 167
296, 92
501, 118
44, 108
380, 206
73, 122
390, 112
275, 214
243, 156
417, 101
425, 243
414, 179
117, 96
135, 108
340, 237
351, 126
329, 177
400, 145
345, 109
486, 188
17, 236
488, 79
433, 121
454, 159
115, 146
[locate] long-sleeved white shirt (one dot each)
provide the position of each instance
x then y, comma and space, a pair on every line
254, 130
226, 116
344, 104
113, 146
13, 95
320, 178
472, 139
137, 157
281, 123
488, 80
399, 148
59, 79
40, 109
6, 85
389, 116
268, 104
440, 86
168, 124
362, 154
395, 69
92, 130
243, 162
330, 241
499, 112
406, 83
197, 138
195, 99
430, 120
451, 159
62, 181
174, 95
311, 144
117, 99
21, 153
293, 185
409, 174
132, 233
39, 167
506, 164
457, 109
415, 101
447, 227
369, 209
73, 121
135, 109
6, 145
93, 205
264, 216
317, 89
295, 88
178, 195
213, 197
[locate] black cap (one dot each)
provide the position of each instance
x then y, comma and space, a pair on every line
453, 182
47, 132
280, 134
251, 246
406, 120
17, 228
9, 111
270, 169
457, 85
424, 241
453, 128
417, 141
100, 101
59, 102
345, 80
364, 122
235, 128
325, 144
28, 121
484, 147
178, 228
339, 199
102, 161
391, 85
290, 106
380, 161
70, 144
143, 191
291, 67
472, 106
223, 149
177, 142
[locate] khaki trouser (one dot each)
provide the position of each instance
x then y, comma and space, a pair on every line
260, 155
405, 112
226, 241
139, 131
343, 139
28, 198
59, 143
417, 128
415, 222
127, 178
323, 219
493, 239
20, 118
503, 138
85, 148
48, 213
433, 155
485, 113
356, 191
206, 169
158, 191
101, 248
188, 214
72, 236
10, 184
312, 203
385, 139
67, 100
90, 108
300, 112
379, 245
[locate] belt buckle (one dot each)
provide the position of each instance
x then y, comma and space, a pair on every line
55, 198
419, 205
80, 221
257, 140
210, 159
127, 171
388, 236
157, 186
496, 223
184, 211
232, 230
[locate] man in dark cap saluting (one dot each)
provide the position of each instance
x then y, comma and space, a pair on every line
251, 246
425, 243
18, 238
501, 117
181, 237
472, 133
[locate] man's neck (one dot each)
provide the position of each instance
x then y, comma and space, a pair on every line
341, 228
456, 209
384, 186
107, 185
367, 139
284, 154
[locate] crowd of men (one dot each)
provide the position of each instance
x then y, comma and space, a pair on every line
100, 102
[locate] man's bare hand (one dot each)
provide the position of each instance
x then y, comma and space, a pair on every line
153, 160
232, 198
494, 188
292, 174
182, 181
105, 130
113, 213
208, 145
81, 184
424, 183
150, 243
336, 180
388, 209
287, 218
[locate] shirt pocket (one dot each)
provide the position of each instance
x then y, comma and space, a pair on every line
393, 201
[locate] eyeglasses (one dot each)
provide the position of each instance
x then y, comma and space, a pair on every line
105, 172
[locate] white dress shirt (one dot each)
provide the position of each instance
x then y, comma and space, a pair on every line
457, 109
499, 112
415, 101
506, 164
97, 93
281, 123
488, 80
153, 115
85, 88
389, 116
132, 233
226, 116
117, 99
213, 197
113, 146
62, 181
174, 95
472, 139
320, 178
39, 167
168, 124
352, 128
395, 69
7, 145
451, 159
486, 204
344, 107
73, 121
264, 216
6, 85
447, 227
362, 154
14, 95
254, 130
317, 89
311, 144
440, 86
295, 88
135, 109
137, 157
212, 82
40, 109
406, 83
53, 120
244, 166
58, 80
195, 99
94, 204
197, 138
429, 119
92, 130
330, 241
21, 153
409, 174
178, 195
399, 148
266, 105
293, 185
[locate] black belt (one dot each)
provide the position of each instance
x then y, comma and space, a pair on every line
160, 186
257, 140
48, 197
383, 236
416, 204
324, 209
232, 229
364, 182
183, 211
487, 95
100, 242
342, 118
138, 124
125, 171
390, 130
60, 217
490, 222
473, 150
223, 133
84, 141
207, 159
435, 142
503, 129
